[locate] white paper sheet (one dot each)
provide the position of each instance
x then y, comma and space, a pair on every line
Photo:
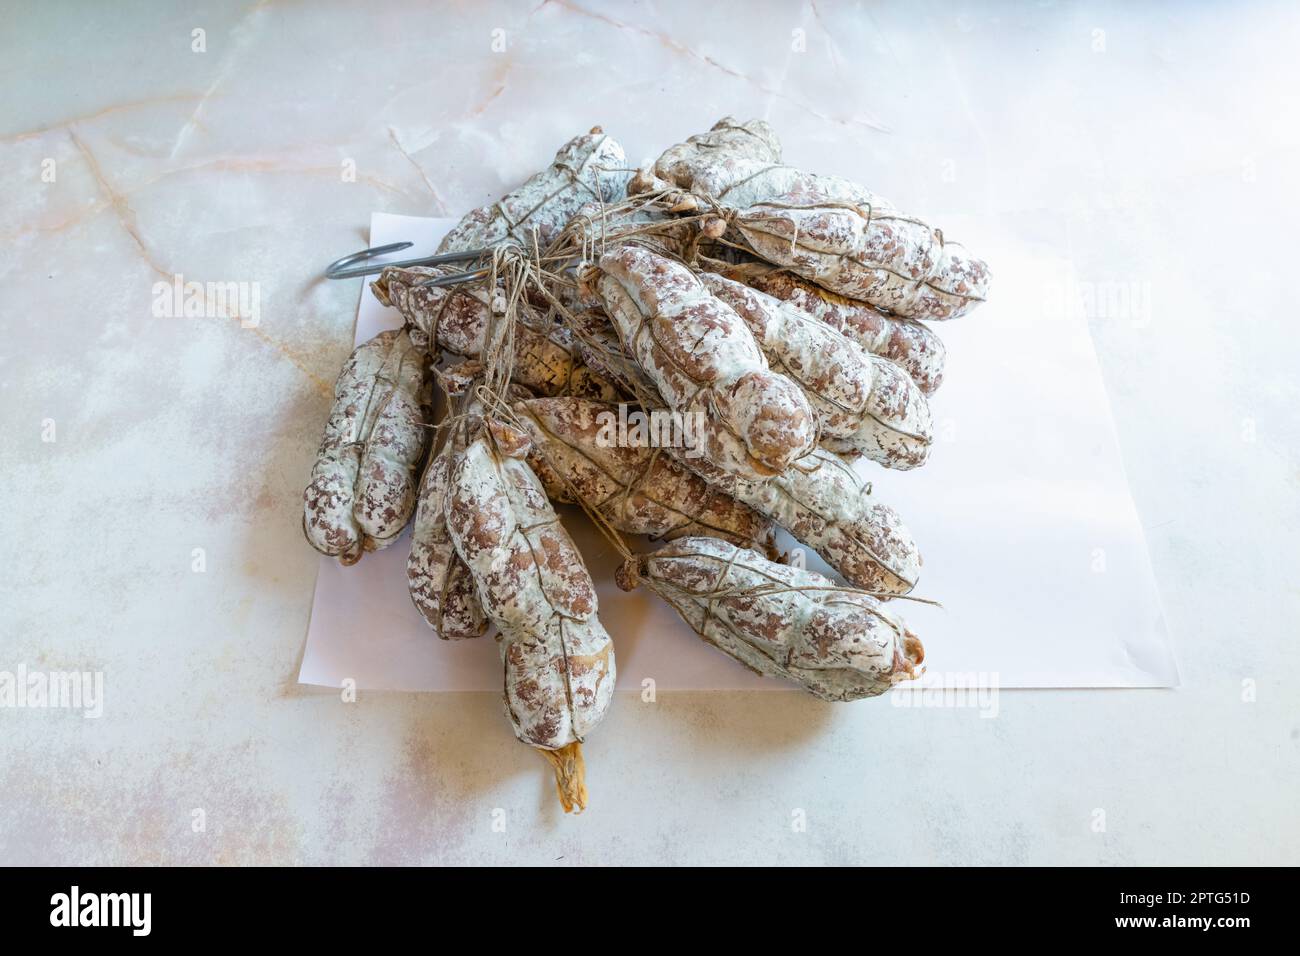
1023, 514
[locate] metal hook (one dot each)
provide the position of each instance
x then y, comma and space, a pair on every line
345, 268
454, 279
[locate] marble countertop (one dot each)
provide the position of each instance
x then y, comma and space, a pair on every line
152, 465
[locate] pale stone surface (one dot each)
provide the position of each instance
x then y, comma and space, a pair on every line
1135, 141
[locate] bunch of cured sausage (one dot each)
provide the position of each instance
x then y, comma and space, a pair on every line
765, 325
